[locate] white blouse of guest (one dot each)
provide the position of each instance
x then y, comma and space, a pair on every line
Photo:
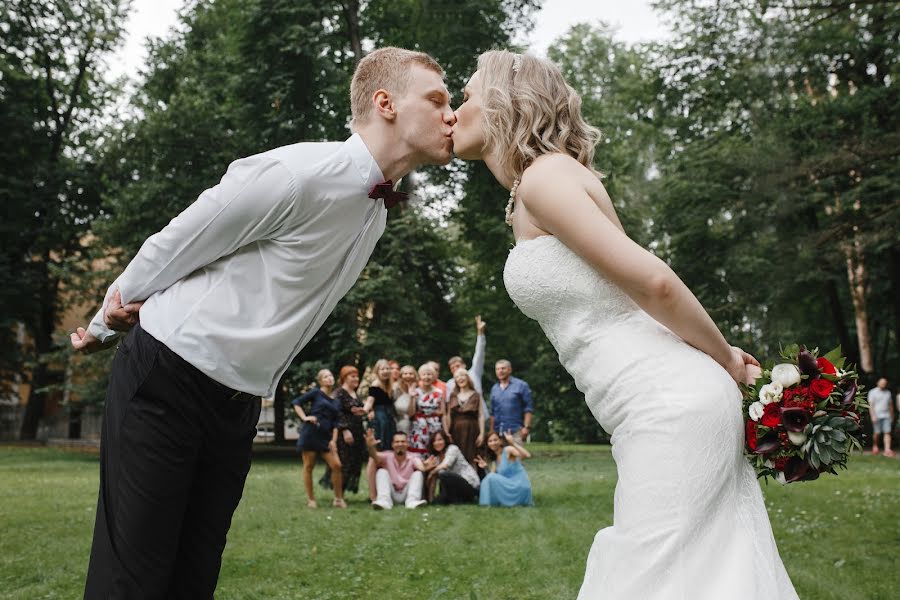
455, 462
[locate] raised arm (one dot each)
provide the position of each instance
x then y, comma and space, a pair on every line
254, 198
477, 370
553, 191
372, 447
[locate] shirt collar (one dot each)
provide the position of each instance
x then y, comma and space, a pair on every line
363, 161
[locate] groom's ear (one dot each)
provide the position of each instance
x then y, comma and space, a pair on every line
384, 104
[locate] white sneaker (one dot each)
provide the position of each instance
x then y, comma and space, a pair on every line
379, 505
416, 504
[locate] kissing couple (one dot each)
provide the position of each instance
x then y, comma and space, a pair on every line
218, 303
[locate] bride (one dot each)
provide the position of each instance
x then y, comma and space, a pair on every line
689, 519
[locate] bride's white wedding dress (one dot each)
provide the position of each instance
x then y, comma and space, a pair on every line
690, 522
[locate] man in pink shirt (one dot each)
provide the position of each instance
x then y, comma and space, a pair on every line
399, 477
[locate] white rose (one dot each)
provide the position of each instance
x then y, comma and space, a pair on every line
798, 438
785, 374
756, 410
771, 392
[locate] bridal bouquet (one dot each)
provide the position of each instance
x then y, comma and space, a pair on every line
802, 416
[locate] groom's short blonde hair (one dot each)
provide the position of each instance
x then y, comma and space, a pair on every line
384, 69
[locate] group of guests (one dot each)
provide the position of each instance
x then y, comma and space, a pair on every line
421, 439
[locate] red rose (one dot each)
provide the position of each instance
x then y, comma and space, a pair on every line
821, 387
787, 394
825, 366
771, 416
780, 463
751, 435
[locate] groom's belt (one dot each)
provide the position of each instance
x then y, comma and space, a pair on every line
235, 395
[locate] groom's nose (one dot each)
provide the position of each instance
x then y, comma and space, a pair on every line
449, 117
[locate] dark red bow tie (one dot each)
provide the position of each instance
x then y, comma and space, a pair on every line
385, 190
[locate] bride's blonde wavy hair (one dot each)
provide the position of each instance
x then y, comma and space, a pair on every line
528, 110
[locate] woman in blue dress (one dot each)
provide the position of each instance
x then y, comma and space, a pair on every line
506, 483
319, 413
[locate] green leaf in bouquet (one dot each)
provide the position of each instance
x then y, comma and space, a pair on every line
790, 351
834, 355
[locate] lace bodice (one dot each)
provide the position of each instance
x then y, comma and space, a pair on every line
604, 339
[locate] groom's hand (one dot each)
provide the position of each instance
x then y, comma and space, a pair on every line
84, 342
120, 317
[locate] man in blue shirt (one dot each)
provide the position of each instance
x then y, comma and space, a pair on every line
511, 404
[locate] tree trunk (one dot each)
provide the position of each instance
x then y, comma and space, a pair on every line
894, 270
857, 276
278, 418
848, 348
41, 376
351, 14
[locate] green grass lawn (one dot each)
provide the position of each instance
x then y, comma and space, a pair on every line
839, 536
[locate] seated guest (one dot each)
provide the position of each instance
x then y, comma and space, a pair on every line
506, 483
403, 392
464, 418
427, 408
456, 480
318, 436
399, 476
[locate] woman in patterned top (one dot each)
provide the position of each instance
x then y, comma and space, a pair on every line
427, 408
456, 479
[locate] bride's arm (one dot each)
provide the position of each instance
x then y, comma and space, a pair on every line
552, 191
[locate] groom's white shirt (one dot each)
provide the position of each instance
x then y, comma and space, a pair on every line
242, 279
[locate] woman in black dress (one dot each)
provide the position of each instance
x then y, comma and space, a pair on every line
319, 435
351, 434
382, 405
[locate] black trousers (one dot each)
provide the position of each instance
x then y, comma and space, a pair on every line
454, 489
174, 455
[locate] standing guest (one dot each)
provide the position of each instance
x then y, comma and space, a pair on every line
456, 479
881, 410
464, 418
405, 390
511, 403
427, 408
477, 370
399, 477
395, 373
380, 404
437, 377
351, 433
507, 483
319, 435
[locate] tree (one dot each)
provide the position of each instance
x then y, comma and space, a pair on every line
53, 93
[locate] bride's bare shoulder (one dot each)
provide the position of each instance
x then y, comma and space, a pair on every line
548, 168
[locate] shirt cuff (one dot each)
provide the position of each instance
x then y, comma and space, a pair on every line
99, 330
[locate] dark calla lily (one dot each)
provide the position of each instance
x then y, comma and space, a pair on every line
794, 418
767, 444
798, 469
850, 393
807, 364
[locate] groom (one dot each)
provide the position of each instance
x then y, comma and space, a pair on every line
232, 289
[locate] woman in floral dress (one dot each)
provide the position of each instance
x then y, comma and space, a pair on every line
427, 408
